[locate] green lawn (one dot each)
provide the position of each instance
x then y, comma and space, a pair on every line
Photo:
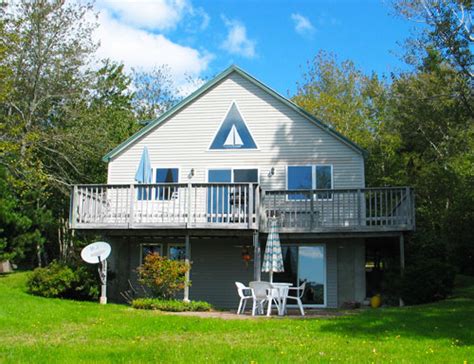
34, 329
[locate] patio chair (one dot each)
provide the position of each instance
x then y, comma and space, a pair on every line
298, 294
263, 294
244, 297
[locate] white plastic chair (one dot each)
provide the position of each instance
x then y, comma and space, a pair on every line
299, 291
244, 297
264, 293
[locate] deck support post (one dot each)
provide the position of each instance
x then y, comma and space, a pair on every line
187, 259
256, 256
402, 261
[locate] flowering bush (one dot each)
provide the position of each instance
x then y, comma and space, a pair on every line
163, 276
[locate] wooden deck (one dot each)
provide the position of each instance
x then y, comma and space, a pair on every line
241, 206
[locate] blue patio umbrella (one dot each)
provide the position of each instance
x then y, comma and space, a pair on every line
273, 259
144, 172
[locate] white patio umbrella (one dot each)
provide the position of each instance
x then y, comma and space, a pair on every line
144, 175
273, 259
144, 172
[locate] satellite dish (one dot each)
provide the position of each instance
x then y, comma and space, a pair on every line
96, 252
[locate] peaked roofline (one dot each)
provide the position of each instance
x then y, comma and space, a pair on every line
210, 84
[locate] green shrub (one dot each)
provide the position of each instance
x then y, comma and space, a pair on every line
427, 281
63, 281
170, 305
163, 276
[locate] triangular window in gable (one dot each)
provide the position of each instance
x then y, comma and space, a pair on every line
233, 133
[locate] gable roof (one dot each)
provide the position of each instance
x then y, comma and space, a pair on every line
209, 85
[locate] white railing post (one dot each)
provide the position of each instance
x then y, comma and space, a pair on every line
359, 206
262, 211
189, 209
407, 209
131, 212
250, 206
73, 214
257, 207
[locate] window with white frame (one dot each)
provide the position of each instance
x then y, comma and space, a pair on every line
309, 177
176, 252
146, 249
166, 175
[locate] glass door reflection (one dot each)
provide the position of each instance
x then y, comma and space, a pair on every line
305, 264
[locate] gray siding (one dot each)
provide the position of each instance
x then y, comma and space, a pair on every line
283, 136
351, 271
217, 264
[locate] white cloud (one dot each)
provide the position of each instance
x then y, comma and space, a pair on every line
142, 49
303, 25
237, 41
153, 14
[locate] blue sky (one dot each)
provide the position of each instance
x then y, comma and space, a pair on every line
272, 40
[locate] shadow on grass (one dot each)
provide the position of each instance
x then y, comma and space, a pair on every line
451, 319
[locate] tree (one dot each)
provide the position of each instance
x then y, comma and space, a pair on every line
436, 149
154, 92
354, 104
449, 29
59, 117
46, 69
47, 63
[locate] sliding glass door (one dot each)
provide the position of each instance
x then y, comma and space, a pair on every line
305, 264
220, 198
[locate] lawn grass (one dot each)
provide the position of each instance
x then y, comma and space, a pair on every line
35, 329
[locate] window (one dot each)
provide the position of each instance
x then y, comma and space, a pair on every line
233, 133
299, 178
324, 181
245, 175
176, 252
307, 178
146, 249
323, 177
166, 175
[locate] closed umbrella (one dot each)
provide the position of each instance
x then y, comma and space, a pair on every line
144, 173
273, 259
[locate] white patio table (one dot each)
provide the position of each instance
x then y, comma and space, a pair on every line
280, 293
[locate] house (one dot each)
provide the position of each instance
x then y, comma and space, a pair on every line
226, 160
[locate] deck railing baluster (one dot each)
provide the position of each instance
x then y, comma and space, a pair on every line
242, 206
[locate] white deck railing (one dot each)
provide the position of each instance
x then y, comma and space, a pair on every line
193, 205
240, 206
390, 208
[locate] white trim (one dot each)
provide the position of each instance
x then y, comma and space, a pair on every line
231, 169
149, 244
219, 128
